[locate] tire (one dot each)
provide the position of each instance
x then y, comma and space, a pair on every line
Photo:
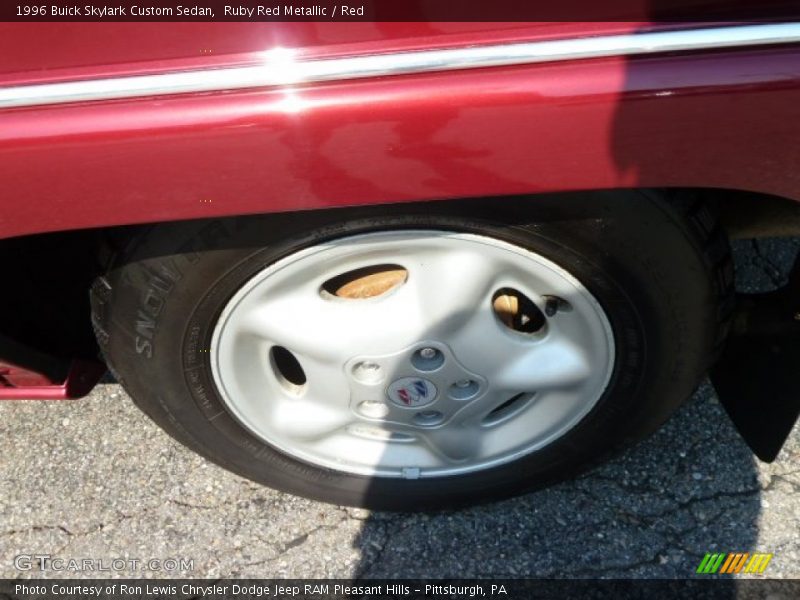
174, 317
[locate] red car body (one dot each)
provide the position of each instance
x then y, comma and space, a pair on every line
724, 118
728, 118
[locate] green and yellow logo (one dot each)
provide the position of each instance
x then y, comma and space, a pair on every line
734, 562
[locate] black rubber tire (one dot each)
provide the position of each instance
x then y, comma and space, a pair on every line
658, 263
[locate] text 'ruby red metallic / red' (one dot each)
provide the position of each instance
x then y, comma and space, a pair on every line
290, 10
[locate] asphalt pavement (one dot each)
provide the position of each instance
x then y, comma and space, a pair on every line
96, 479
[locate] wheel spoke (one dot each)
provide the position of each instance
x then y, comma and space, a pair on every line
473, 413
450, 287
544, 365
306, 421
454, 442
303, 325
333, 330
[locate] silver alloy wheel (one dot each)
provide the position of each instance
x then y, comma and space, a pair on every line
425, 379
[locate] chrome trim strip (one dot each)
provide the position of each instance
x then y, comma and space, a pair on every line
280, 69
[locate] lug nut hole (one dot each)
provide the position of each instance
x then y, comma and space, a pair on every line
464, 389
427, 359
373, 409
428, 418
368, 373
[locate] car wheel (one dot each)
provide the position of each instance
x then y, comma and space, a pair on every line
418, 356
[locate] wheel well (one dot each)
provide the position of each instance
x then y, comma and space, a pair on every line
45, 309
754, 215
44, 312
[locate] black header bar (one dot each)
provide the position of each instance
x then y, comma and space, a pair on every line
398, 10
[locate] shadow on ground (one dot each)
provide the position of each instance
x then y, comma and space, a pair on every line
654, 512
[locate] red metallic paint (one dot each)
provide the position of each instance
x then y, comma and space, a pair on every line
76, 50
724, 119
17, 383
13, 376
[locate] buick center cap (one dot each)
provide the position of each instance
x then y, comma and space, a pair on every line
412, 392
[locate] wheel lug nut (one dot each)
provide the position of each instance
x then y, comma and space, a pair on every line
428, 418
373, 409
427, 359
464, 389
368, 372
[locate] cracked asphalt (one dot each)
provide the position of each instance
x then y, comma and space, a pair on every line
95, 478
